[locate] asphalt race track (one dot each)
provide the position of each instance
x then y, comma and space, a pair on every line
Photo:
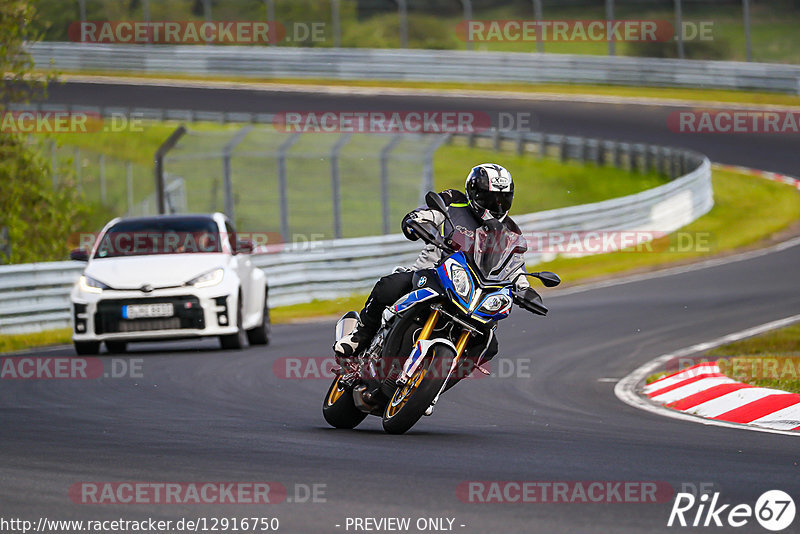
200, 414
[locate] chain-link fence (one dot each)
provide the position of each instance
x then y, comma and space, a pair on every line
319, 185
757, 30
124, 186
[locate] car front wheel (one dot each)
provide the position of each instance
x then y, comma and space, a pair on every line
235, 341
87, 348
260, 334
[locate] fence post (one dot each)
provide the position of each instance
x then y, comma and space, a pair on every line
427, 172
648, 158
746, 15
78, 170
53, 164
171, 141
5, 244
385, 206
679, 28
103, 179
543, 145
336, 189
537, 15
562, 148
402, 12
282, 185
610, 17
467, 5
227, 151
337, 23
521, 143
496, 138
129, 185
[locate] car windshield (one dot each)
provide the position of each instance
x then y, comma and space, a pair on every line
160, 235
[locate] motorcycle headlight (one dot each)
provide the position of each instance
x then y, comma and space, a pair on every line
461, 281
211, 278
90, 285
494, 304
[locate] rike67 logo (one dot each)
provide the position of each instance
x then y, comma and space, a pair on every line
774, 510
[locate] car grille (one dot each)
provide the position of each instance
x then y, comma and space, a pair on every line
188, 314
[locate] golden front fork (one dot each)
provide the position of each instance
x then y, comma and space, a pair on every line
429, 326
462, 343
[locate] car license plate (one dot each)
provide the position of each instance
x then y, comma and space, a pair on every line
137, 311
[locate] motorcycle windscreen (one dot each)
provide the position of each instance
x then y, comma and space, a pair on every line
498, 253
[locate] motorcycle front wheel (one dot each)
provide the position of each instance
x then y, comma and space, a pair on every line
409, 402
339, 409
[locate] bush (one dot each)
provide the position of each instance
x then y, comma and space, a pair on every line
383, 31
717, 49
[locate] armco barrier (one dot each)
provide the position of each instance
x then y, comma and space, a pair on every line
414, 65
35, 296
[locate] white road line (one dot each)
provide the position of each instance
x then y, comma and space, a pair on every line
625, 390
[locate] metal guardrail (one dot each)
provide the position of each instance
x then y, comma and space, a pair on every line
36, 296
415, 65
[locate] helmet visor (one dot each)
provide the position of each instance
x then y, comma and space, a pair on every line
497, 202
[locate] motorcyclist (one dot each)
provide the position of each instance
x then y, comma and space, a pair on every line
489, 192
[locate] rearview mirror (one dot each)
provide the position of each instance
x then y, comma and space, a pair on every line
79, 254
244, 246
548, 279
436, 202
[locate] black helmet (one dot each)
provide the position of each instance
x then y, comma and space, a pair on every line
490, 190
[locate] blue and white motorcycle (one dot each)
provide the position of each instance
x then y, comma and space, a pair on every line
436, 335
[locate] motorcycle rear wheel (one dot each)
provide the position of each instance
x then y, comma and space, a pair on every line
339, 409
409, 402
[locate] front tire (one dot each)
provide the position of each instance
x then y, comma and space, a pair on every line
339, 409
235, 341
87, 348
116, 347
409, 402
260, 334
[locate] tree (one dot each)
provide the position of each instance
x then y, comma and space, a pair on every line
39, 217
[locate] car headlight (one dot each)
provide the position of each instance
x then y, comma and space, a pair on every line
494, 303
461, 281
90, 285
211, 278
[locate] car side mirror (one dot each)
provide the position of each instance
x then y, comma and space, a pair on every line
79, 254
244, 246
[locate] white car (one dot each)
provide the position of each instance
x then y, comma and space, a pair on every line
168, 277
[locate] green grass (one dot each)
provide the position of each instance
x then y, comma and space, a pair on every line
769, 360
13, 342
